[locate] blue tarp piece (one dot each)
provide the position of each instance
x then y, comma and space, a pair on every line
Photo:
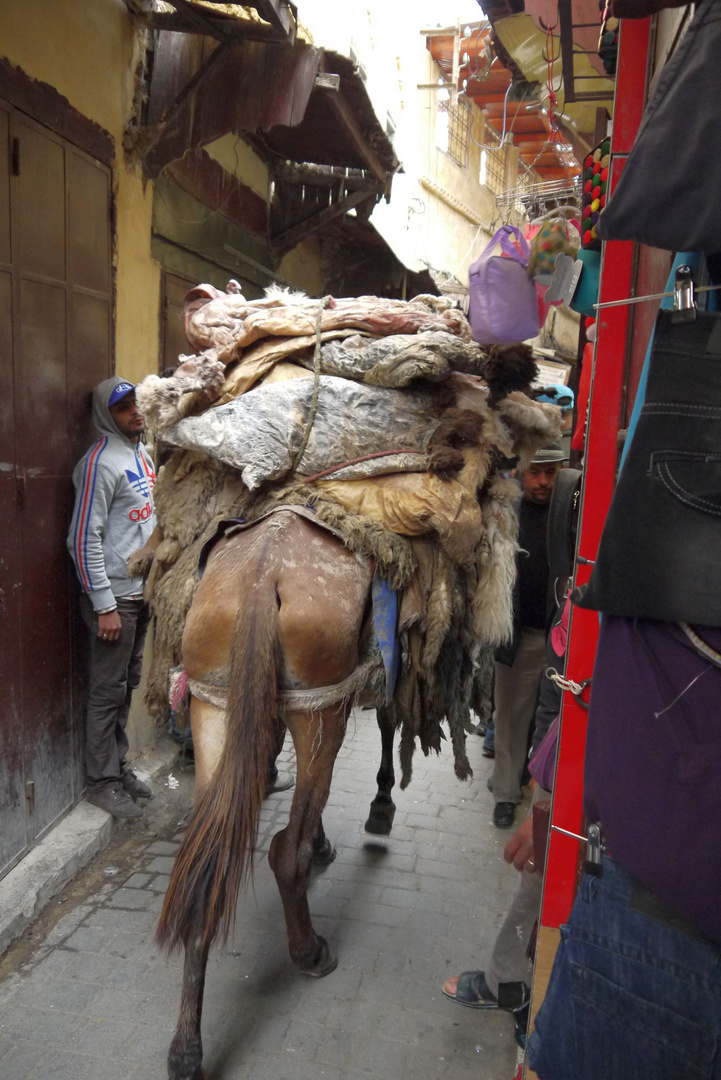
385, 624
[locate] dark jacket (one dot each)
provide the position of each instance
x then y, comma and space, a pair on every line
506, 653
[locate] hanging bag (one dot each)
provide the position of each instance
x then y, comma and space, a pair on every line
502, 297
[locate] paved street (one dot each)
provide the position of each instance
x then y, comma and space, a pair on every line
86, 996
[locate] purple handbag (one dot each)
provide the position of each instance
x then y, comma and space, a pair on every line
542, 765
503, 308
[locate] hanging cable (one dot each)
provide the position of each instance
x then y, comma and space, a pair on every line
505, 113
218, 209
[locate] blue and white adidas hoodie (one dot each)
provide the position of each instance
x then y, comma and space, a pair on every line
114, 513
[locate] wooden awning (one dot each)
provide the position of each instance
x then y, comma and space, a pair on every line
305, 111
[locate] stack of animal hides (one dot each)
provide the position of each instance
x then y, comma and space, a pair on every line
398, 432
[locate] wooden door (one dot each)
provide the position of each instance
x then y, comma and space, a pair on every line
172, 330
56, 341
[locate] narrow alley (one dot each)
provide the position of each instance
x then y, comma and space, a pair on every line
85, 994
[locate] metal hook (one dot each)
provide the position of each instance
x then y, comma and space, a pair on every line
555, 58
552, 26
684, 305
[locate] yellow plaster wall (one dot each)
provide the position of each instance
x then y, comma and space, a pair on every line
301, 267
88, 50
238, 159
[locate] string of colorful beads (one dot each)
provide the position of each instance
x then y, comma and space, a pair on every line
595, 180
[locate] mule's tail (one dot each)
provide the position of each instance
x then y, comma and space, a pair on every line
217, 850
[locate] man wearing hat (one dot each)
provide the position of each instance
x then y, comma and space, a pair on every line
519, 665
113, 516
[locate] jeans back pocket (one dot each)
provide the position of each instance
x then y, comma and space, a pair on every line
691, 477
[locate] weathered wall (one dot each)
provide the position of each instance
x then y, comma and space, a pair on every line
301, 267
239, 160
439, 210
88, 51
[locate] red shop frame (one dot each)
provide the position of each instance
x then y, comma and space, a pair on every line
606, 409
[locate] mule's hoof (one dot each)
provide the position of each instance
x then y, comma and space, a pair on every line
324, 855
184, 1066
380, 819
324, 963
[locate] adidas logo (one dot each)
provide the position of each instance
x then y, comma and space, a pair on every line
138, 482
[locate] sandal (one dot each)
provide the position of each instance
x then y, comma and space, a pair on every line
472, 990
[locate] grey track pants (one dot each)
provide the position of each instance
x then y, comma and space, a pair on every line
509, 962
114, 673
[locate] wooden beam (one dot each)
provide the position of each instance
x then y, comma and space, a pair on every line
364, 148
288, 239
153, 136
280, 14
327, 80
249, 86
298, 172
281, 21
219, 28
196, 16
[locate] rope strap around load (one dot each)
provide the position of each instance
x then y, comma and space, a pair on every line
325, 302
368, 676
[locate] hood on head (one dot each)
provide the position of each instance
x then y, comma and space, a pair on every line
103, 421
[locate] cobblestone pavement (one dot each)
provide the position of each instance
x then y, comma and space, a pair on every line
86, 996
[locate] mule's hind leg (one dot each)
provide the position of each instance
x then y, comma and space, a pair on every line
186, 1050
323, 851
276, 782
317, 737
383, 809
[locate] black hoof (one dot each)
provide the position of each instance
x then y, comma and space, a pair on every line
380, 818
325, 854
325, 961
184, 1062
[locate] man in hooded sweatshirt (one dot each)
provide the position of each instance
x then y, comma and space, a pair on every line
113, 517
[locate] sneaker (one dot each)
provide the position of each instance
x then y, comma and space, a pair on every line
133, 785
112, 798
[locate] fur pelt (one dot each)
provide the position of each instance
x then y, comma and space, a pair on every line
460, 610
532, 424
165, 401
193, 492
172, 596
507, 368
282, 295
192, 489
482, 688
492, 597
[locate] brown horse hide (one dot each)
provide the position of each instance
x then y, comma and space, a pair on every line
282, 569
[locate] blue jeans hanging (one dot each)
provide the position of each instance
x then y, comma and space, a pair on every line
658, 556
634, 993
